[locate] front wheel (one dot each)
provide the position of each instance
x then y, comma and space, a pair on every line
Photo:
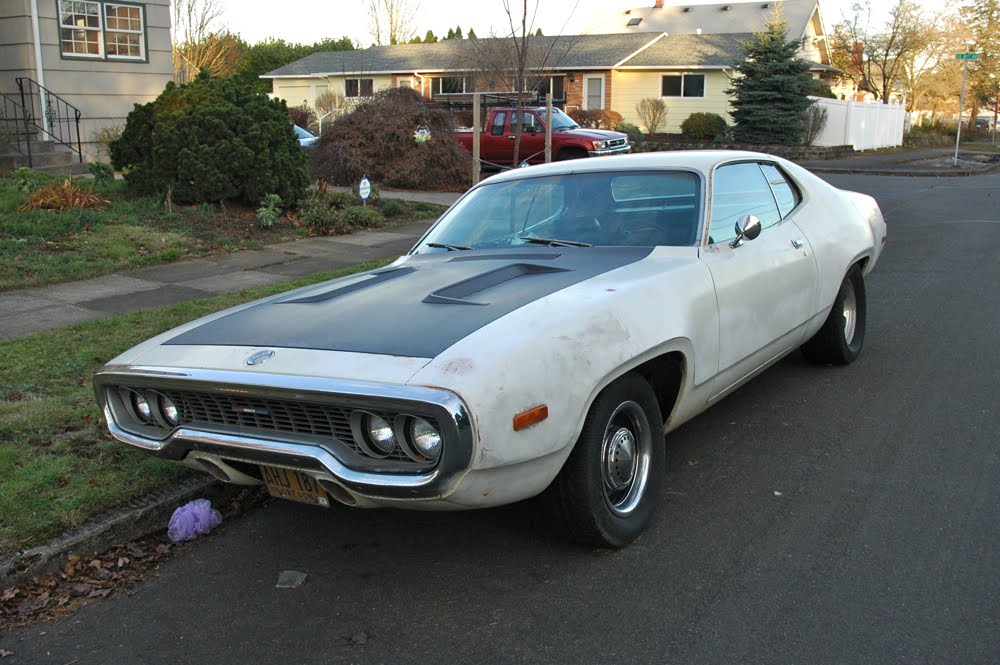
842, 336
607, 491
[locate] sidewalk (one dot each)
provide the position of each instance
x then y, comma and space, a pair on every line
903, 163
27, 311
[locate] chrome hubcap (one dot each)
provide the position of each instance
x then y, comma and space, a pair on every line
625, 455
850, 312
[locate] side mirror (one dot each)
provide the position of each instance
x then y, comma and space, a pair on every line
747, 227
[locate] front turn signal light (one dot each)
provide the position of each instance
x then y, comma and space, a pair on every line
532, 416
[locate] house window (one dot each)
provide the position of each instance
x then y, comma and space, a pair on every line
449, 85
558, 91
359, 88
109, 30
593, 92
683, 85
123, 33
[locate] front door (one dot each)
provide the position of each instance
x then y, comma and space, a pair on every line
766, 287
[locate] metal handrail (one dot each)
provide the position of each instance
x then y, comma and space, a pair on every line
13, 126
60, 120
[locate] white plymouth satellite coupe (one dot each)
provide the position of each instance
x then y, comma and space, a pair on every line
540, 339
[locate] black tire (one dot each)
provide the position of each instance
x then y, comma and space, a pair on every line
840, 340
571, 153
601, 497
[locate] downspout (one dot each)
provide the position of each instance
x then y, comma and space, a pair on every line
421, 83
39, 70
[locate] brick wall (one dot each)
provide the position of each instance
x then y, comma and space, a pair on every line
574, 89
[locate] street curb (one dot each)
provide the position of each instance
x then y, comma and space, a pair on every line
143, 516
902, 173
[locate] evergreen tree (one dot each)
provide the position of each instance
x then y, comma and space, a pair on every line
429, 38
771, 87
982, 17
538, 33
472, 34
451, 33
458, 32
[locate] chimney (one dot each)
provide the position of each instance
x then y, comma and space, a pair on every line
658, 5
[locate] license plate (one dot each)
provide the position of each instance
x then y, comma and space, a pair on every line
294, 485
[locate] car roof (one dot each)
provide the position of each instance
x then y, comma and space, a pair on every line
700, 160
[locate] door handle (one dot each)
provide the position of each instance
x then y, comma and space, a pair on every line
798, 243
511, 138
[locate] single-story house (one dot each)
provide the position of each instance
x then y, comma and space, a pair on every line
98, 57
690, 67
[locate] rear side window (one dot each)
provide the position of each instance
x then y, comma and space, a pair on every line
785, 192
737, 190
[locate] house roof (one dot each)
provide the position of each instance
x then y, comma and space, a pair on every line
565, 52
691, 51
687, 18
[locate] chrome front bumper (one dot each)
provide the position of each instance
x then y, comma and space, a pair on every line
324, 460
617, 150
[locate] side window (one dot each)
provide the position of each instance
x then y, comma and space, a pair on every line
530, 122
737, 190
785, 192
499, 119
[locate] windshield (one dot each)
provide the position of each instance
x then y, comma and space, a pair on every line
301, 133
562, 121
631, 208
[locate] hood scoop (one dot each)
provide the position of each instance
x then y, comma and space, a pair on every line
456, 294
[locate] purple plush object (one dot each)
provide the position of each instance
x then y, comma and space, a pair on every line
192, 520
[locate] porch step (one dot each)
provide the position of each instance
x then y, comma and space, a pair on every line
45, 156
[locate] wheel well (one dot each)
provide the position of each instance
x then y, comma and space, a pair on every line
571, 153
666, 375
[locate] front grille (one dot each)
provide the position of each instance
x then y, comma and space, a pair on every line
270, 415
614, 143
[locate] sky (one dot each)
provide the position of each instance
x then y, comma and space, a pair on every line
307, 21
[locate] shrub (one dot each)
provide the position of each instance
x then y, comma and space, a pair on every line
103, 173
703, 126
269, 211
652, 112
393, 207
25, 180
814, 123
634, 133
303, 116
211, 140
105, 136
820, 89
596, 119
361, 217
376, 139
60, 197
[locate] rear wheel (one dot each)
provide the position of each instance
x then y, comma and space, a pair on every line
840, 340
608, 489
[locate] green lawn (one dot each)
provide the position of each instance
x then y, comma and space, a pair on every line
58, 465
41, 247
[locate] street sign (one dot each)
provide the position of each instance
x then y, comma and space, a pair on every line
365, 188
966, 56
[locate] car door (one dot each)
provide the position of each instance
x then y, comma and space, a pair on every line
532, 138
494, 145
766, 287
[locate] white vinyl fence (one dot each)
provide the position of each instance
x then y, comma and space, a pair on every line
864, 125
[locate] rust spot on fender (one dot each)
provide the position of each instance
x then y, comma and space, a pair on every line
459, 366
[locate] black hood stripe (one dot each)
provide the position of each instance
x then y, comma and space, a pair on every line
410, 310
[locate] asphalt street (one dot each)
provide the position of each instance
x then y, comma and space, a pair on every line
818, 515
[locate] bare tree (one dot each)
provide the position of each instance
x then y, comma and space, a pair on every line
652, 112
199, 40
391, 21
874, 58
519, 60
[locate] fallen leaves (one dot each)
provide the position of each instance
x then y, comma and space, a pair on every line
52, 596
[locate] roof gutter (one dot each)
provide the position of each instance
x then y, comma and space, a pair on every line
39, 69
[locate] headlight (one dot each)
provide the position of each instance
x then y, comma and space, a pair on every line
169, 411
379, 437
425, 438
600, 145
142, 408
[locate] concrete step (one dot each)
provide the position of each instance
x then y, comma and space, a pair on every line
45, 156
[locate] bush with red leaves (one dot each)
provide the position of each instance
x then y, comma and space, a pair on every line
377, 140
596, 119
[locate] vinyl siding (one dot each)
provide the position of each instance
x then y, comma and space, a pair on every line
105, 91
630, 87
298, 91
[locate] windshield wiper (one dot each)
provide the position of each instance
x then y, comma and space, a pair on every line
450, 248
553, 242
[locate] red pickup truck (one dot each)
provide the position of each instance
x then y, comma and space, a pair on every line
569, 140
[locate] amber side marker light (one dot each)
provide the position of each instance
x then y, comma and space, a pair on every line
526, 419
